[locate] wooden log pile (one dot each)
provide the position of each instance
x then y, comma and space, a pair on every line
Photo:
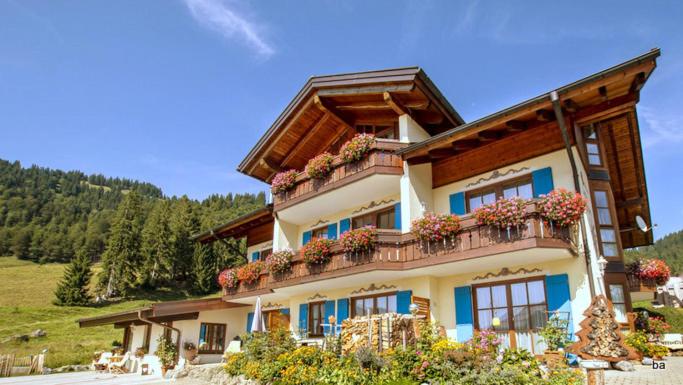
380, 331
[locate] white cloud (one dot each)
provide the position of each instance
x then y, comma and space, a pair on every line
222, 17
660, 128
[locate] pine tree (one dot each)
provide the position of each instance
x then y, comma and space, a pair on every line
73, 288
184, 224
204, 269
122, 258
157, 246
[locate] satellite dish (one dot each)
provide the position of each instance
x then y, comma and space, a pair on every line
642, 225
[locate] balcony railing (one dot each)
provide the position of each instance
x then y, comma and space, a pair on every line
380, 160
396, 251
636, 284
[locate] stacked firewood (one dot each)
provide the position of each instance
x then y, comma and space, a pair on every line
380, 331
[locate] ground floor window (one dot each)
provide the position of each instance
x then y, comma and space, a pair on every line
516, 310
316, 316
616, 291
373, 304
212, 338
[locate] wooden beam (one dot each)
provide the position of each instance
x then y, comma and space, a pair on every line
545, 115
488, 136
515, 125
570, 105
395, 105
322, 107
267, 163
419, 160
380, 106
367, 90
465, 144
302, 142
439, 153
338, 132
603, 92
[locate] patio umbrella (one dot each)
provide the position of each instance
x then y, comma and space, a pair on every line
258, 323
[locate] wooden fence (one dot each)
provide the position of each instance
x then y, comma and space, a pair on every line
10, 364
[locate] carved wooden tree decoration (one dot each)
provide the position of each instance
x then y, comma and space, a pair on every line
600, 337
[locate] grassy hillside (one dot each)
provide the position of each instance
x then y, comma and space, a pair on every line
26, 294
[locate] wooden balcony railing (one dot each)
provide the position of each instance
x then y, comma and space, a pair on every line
380, 160
396, 251
636, 284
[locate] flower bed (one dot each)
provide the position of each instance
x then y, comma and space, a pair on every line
650, 270
320, 166
359, 240
504, 213
280, 261
251, 272
317, 252
227, 279
356, 148
437, 227
283, 181
562, 207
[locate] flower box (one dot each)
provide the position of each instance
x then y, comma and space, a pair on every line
356, 148
317, 252
250, 273
283, 181
280, 262
359, 240
562, 207
227, 279
320, 166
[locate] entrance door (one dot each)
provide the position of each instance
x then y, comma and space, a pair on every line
515, 310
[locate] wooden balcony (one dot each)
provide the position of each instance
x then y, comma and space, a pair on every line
635, 284
396, 251
380, 160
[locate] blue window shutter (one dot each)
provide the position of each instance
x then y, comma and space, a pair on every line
306, 237
284, 311
344, 225
457, 203
254, 256
397, 216
558, 297
329, 311
342, 310
303, 316
202, 333
543, 181
332, 231
250, 320
464, 324
403, 299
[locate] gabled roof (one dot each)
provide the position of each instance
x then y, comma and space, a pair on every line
241, 226
329, 107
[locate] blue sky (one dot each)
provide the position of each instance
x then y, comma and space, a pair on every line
175, 92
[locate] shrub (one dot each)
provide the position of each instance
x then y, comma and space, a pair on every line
554, 333
436, 227
280, 261
356, 148
320, 166
638, 340
251, 272
166, 351
283, 181
228, 279
504, 213
562, 207
359, 240
317, 252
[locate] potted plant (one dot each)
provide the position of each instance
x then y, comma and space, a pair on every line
356, 148
167, 352
280, 261
555, 336
317, 252
140, 352
320, 166
228, 280
359, 240
190, 351
283, 181
250, 273
562, 207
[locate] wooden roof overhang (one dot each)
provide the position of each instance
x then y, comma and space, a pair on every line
327, 110
493, 141
256, 226
159, 312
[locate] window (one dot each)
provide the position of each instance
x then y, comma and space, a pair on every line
316, 317
616, 292
168, 333
592, 146
211, 338
263, 254
374, 304
519, 305
320, 232
608, 235
520, 187
383, 132
382, 219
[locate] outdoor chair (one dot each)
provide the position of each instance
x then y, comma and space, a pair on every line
103, 362
120, 366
